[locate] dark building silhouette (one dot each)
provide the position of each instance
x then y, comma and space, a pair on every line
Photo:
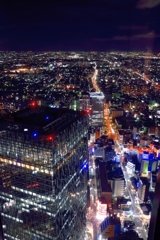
1, 229
154, 227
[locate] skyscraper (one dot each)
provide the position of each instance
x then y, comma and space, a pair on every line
84, 101
43, 174
97, 102
154, 230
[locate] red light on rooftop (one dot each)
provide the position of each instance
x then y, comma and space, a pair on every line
33, 104
87, 111
49, 138
33, 185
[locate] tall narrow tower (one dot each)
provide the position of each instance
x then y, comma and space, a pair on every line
97, 102
154, 229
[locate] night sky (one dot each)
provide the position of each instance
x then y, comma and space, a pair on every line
100, 25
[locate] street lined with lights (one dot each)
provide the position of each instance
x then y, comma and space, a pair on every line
98, 213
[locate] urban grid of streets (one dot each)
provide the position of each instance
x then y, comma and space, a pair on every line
137, 215
115, 73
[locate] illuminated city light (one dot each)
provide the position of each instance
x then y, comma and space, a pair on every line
101, 210
100, 237
33, 104
88, 111
33, 185
108, 128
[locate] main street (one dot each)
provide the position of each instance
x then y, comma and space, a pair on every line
92, 211
92, 214
137, 215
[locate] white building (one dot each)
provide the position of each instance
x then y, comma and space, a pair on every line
97, 113
130, 167
118, 186
84, 102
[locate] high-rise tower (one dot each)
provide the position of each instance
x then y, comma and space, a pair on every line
97, 102
43, 174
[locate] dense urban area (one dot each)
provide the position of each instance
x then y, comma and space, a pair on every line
119, 93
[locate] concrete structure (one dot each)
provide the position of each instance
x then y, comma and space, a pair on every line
97, 112
84, 102
99, 152
143, 189
75, 105
116, 112
135, 130
110, 227
124, 204
124, 135
130, 167
44, 174
105, 187
118, 186
101, 210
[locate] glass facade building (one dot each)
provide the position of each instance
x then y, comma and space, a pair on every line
44, 174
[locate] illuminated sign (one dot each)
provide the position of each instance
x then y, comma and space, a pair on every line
97, 95
145, 156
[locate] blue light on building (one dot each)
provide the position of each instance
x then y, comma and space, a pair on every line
148, 162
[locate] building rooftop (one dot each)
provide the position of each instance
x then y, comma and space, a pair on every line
105, 186
146, 208
114, 220
42, 119
97, 94
145, 180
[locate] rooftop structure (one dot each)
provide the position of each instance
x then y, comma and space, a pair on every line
110, 227
97, 95
105, 187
